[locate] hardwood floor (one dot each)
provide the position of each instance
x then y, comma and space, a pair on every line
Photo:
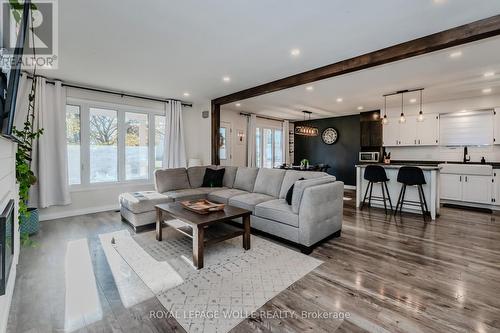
387, 274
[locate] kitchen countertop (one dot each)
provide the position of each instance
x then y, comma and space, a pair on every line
495, 165
399, 165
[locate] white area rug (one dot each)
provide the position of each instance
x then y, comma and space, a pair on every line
233, 284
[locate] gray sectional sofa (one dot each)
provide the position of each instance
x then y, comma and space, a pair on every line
315, 212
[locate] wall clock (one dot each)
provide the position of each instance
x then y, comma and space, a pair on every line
330, 136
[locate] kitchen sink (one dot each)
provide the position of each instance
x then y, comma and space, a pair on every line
466, 169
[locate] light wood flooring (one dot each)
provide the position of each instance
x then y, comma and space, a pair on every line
388, 274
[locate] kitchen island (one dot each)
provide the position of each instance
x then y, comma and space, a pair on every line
431, 189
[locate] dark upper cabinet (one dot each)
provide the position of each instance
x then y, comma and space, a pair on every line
371, 129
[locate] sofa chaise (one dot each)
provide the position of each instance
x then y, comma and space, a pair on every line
315, 212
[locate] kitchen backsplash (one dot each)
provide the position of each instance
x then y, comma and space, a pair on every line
452, 154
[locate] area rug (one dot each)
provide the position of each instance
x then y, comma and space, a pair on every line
233, 284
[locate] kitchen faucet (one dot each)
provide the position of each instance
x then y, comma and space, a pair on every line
466, 155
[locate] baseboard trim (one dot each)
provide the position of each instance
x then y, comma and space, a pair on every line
349, 187
77, 212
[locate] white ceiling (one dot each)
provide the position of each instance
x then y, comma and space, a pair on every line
443, 77
165, 48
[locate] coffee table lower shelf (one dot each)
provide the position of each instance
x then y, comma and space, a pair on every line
194, 226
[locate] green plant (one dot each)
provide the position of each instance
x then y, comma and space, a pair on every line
304, 162
24, 175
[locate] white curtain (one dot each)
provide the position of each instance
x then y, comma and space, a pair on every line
286, 141
175, 150
49, 155
252, 124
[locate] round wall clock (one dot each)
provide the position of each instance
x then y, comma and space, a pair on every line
329, 136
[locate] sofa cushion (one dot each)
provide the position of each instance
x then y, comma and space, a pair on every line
269, 181
291, 176
250, 200
196, 175
277, 210
213, 178
171, 179
301, 185
245, 179
223, 196
140, 202
229, 175
186, 194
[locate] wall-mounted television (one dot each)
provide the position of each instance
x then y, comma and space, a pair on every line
9, 79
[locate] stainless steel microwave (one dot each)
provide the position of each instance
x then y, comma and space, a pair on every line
369, 156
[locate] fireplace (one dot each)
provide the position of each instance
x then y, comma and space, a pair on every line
6, 244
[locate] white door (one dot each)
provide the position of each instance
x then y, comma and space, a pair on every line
428, 130
390, 132
477, 189
225, 143
451, 186
408, 131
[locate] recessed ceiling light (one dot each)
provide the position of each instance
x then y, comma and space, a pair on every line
339, 100
486, 90
360, 107
463, 111
238, 104
226, 79
456, 54
413, 100
186, 94
295, 52
309, 88
489, 74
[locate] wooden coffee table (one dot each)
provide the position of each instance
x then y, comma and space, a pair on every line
196, 224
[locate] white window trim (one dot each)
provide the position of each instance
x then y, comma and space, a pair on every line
85, 105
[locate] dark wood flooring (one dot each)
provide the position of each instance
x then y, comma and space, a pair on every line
388, 274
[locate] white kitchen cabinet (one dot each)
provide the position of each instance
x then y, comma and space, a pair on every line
390, 132
451, 187
428, 130
496, 126
467, 188
496, 187
412, 132
477, 189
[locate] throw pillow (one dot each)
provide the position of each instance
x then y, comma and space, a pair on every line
213, 178
289, 194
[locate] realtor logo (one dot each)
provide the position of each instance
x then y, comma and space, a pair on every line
41, 45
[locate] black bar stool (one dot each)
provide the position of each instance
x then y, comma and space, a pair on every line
376, 174
411, 176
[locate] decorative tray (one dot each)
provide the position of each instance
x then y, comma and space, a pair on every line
202, 206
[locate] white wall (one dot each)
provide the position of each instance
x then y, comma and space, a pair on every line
7, 192
103, 198
237, 123
437, 153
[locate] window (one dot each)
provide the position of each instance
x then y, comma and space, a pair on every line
136, 146
159, 141
110, 143
268, 147
103, 134
73, 143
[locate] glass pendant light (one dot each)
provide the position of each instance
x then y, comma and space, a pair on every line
402, 118
385, 121
420, 117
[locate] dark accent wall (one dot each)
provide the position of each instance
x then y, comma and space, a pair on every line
342, 156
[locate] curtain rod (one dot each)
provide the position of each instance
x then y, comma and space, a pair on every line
262, 117
113, 92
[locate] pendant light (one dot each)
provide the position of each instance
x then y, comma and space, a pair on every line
385, 121
420, 117
402, 118
305, 129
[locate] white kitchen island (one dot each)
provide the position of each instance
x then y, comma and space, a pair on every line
431, 189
